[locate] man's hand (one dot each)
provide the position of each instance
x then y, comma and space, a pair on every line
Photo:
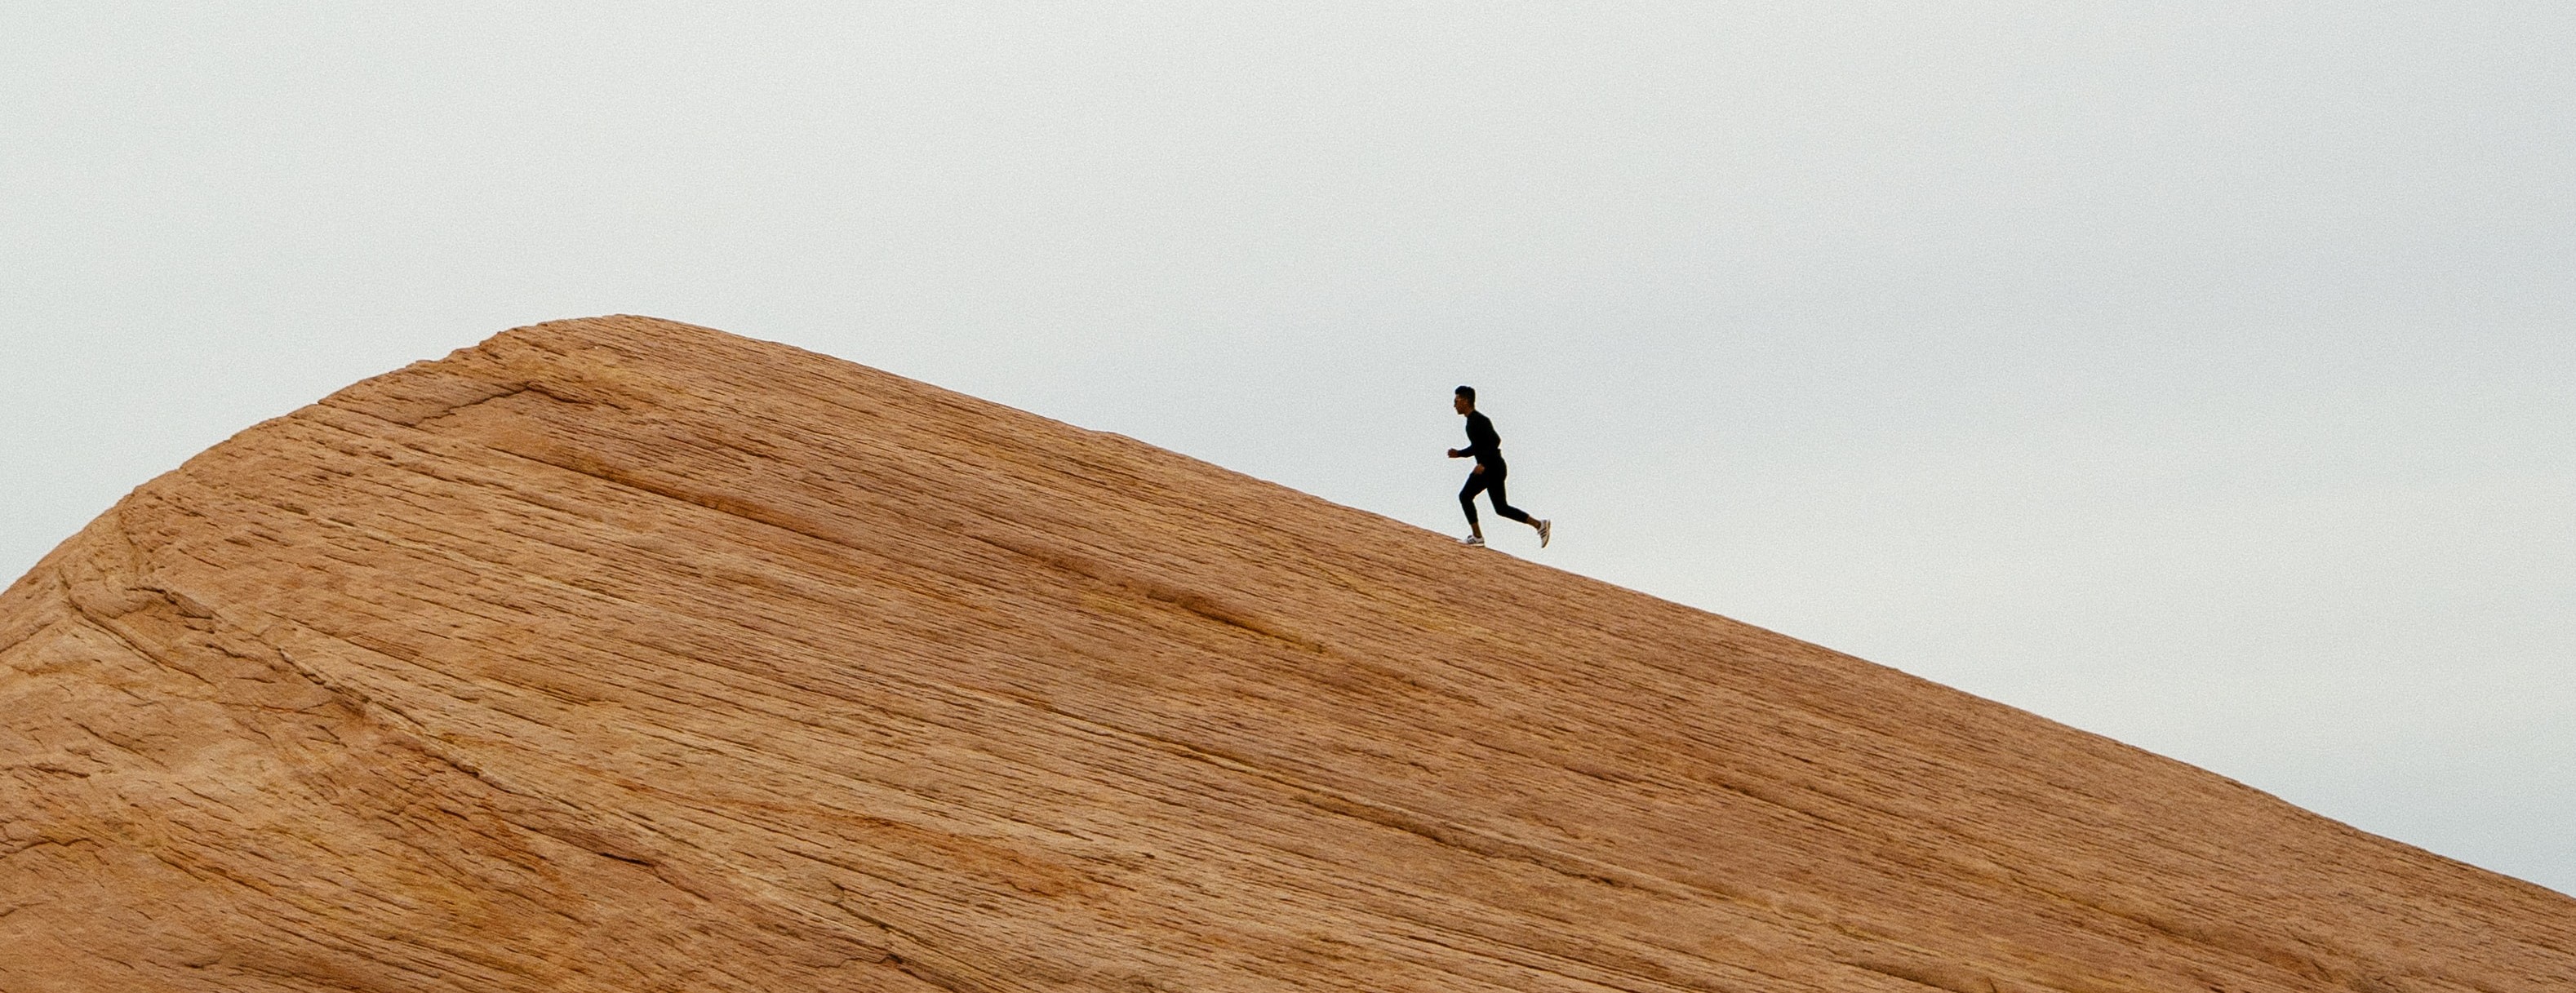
1479, 470
1457, 454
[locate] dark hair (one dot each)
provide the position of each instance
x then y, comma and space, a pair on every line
1469, 392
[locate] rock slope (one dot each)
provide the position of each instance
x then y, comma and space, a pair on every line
618, 654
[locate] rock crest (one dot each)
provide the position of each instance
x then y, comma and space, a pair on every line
619, 654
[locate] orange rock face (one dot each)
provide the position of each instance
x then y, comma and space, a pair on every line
618, 654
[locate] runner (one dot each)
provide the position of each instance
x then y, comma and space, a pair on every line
1486, 448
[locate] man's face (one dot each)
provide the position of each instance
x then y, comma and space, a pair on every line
1462, 403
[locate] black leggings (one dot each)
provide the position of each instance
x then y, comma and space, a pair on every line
1489, 481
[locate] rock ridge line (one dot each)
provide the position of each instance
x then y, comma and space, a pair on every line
623, 654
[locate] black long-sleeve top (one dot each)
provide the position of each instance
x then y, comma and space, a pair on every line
1482, 442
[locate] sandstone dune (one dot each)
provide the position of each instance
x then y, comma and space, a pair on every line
619, 654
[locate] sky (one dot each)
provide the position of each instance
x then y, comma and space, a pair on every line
2198, 374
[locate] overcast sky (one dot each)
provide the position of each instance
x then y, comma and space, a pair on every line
2197, 374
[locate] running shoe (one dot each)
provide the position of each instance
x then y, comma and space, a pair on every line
1473, 541
1544, 529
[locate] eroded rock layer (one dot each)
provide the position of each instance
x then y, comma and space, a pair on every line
619, 654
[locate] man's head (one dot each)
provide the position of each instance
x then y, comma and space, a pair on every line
1466, 399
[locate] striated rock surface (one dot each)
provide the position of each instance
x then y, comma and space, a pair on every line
618, 654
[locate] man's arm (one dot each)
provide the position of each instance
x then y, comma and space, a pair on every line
1483, 441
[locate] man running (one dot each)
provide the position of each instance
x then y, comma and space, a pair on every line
1487, 449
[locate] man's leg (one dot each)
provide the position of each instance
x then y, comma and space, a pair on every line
1467, 500
1494, 489
1494, 486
